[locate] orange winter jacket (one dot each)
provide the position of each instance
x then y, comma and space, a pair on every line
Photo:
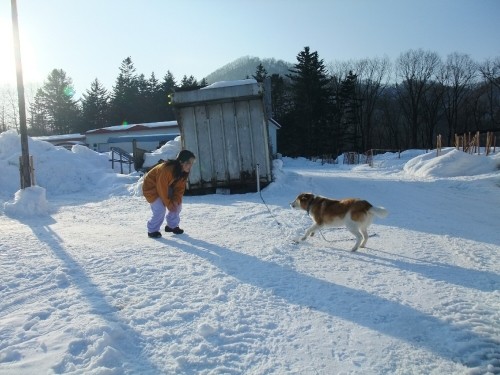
160, 182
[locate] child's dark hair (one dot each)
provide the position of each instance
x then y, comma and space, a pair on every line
177, 172
182, 157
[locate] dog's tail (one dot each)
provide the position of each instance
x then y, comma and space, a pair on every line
379, 211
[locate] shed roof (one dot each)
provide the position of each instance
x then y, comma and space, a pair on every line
219, 91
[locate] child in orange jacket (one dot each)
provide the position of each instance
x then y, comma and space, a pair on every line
163, 187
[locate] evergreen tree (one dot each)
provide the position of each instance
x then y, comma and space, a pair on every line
37, 118
55, 108
308, 130
155, 102
167, 89
190, 82
144, 105
125, 95
349, 103
280, 98
95, 107
260, 73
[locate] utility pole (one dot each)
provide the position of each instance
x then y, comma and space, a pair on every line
25, 159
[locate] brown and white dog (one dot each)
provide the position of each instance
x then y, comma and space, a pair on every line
355, 214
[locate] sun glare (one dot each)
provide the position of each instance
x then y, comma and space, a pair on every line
7, 64
7, 61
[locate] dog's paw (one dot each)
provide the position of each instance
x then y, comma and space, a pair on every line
296, 240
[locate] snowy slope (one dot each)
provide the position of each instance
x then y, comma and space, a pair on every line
84, 291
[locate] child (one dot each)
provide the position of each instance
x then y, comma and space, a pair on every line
163, 187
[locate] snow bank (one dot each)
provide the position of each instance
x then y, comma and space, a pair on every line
168, 151
28, 202
58, 170
451, 163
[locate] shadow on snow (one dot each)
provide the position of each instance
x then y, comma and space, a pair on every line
360, 307
128, 345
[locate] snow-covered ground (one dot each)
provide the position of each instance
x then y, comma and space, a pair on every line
84, 291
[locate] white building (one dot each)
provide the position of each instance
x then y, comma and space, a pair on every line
148, 136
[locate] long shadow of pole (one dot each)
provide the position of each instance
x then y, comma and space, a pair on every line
129, 345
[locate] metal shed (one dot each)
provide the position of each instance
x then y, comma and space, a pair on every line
226, 126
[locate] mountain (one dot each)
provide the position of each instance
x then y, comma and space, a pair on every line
246, 66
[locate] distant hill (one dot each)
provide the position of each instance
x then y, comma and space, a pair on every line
245, 67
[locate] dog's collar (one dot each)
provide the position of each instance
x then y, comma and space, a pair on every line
309, 204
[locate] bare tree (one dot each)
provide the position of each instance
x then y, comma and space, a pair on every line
3, 110
457, 76
373, 77
340, 69
415, 69
3, 122
9, 118
490, 70
390, 133
432, 113
476, 106
9, 113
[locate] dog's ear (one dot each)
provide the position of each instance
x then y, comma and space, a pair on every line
305, 196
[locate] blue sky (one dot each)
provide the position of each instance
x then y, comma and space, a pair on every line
89, 39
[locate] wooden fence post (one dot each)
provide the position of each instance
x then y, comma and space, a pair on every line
31, 171
489, 139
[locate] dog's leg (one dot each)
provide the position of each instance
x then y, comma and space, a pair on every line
358, 241
353, 228
310, 232
364, 233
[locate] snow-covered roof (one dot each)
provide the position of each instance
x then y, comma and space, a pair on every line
134, 127
240, 82
219, 91
60, 137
